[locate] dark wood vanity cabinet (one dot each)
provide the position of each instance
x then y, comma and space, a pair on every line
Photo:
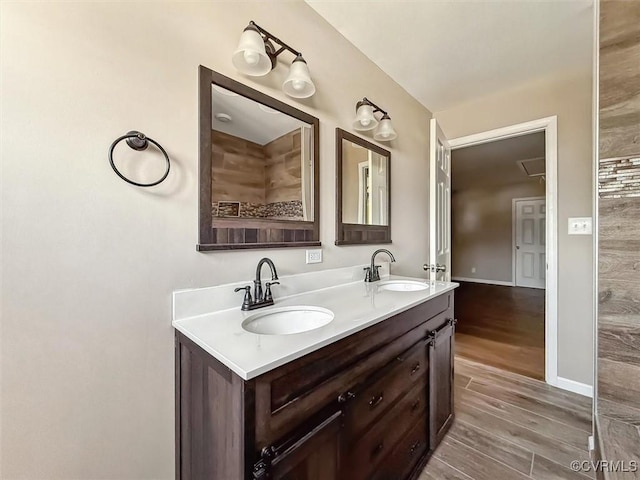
371, 406
441, 350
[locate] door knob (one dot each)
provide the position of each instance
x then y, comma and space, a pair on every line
434, 268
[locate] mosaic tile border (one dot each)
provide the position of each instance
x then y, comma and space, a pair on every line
619, 177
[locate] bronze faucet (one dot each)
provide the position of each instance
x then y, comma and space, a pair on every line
372, 274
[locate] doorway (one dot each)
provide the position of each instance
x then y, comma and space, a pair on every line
547, 296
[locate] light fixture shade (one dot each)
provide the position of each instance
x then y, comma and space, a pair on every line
298, 83
385, 132
251, 57
365, 120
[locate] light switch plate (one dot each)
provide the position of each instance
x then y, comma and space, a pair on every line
314, 256
580, 226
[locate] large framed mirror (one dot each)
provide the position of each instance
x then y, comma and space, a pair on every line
363, 191
258, 175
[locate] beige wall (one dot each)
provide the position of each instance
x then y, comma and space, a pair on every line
481, 230
89, 262
570, 98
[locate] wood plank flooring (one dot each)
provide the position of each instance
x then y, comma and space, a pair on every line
508, 426
502, 327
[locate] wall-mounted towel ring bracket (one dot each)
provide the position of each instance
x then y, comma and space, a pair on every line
138, 141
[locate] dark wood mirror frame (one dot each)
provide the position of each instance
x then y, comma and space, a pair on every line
355, 233
244, 233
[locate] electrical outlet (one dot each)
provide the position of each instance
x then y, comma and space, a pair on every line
580, 226
314, 256
591, 443
473, 270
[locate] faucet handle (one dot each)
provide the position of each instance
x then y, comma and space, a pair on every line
367, 275
246, 302
268, 297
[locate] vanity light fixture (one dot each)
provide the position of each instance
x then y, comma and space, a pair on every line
256, 55
366, 120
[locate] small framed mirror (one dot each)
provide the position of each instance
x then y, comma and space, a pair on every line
363, 191
259, 181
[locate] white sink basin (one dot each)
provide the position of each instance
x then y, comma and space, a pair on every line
288, 320
403, 285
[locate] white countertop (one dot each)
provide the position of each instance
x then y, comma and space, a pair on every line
356, 306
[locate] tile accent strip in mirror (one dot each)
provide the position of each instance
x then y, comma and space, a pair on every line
619, 177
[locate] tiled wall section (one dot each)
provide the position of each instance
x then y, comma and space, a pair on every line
265, 180
289, 210
283, 173
237, 169
619, 177
618, 387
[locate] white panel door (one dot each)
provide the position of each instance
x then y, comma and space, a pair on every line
439, 205
531, 263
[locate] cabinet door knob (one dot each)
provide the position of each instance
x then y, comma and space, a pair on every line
345, 397
376, 400
415, 368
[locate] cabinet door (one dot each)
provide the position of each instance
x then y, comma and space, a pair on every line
310, 455
441, 351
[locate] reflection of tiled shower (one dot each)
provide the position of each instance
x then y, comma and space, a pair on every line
618, 355
263, 181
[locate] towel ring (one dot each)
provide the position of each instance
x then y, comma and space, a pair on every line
138, 141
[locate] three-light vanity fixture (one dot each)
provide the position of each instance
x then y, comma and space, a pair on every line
256, 56
366, 120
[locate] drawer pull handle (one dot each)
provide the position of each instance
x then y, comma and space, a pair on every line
415, 405
375, 401
413, 448
376, 451
415, 368
345, 397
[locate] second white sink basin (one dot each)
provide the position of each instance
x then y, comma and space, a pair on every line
288, 320
403, 285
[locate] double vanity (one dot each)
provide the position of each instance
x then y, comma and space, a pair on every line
339, 379
345, 374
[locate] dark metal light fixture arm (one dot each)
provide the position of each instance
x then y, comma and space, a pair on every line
283, 46
376, 108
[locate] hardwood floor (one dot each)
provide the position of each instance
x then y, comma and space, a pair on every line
511, 427
502, 327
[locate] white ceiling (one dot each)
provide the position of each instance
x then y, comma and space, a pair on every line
447, 52
495, 164
248, 119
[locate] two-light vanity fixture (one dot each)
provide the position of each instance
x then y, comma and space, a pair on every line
257, 56
366, 120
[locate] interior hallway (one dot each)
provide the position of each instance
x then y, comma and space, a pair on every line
502, 327
510, 427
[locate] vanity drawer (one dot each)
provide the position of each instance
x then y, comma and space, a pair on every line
287, 396
382, 439
383, 390
404, 457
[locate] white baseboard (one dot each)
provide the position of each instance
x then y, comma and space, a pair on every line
482, 280
575, 387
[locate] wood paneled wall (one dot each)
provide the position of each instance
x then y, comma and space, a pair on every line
618, 356
243, 171
237, 169
283, 174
